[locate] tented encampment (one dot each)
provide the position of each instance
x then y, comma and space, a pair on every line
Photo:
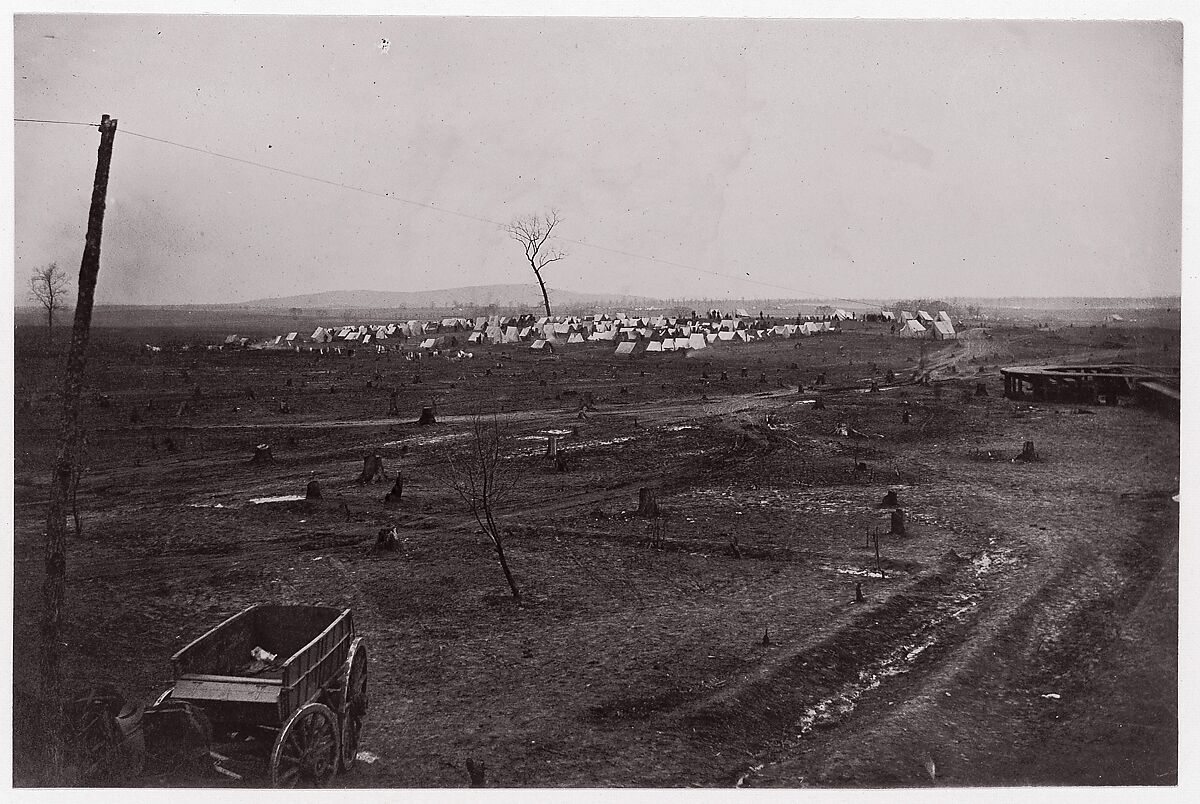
912, 329
943, 331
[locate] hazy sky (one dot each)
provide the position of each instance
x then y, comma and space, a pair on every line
837, 158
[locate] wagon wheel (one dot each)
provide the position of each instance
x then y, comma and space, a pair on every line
306, 751
354, 701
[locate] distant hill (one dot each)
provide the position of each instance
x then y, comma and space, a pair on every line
475, 296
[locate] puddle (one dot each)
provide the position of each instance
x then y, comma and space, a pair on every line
866, 573
280, 498
436, 439
205, 505
367, 757
678, 427
577, 445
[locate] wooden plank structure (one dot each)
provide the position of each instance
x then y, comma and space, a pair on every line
1082, 384
211, 670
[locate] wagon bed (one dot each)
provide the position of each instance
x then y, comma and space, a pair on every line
311, 644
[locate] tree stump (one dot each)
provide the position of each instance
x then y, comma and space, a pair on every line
858, 595
906, 417
897, 523
647, 505
552, 447
397, 490
387, 539
427, 416
980, 389
372, 470
262, 454
1028, 453
819, 404
745, 372
820, 379
393, 405
890, 500
735, 550
313, 490
478, 772
724, 375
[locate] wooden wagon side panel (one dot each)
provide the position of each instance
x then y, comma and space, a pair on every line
216, 652
313, 666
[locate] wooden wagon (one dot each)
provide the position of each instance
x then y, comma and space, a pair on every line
293, 675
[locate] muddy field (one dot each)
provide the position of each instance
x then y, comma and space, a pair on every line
1022, 631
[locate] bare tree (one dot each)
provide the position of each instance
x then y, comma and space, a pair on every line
49, 286
475, 475
532, 232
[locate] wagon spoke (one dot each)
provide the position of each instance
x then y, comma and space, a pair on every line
289, 776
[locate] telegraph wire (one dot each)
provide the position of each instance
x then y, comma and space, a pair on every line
444, 210
56, 122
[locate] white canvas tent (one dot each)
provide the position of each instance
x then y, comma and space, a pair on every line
912, 329
943, 331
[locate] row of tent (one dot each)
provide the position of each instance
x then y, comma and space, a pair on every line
618, 327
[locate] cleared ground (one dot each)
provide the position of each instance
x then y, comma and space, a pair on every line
1023, 631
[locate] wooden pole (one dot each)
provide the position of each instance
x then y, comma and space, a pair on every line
54, 588
878, 562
